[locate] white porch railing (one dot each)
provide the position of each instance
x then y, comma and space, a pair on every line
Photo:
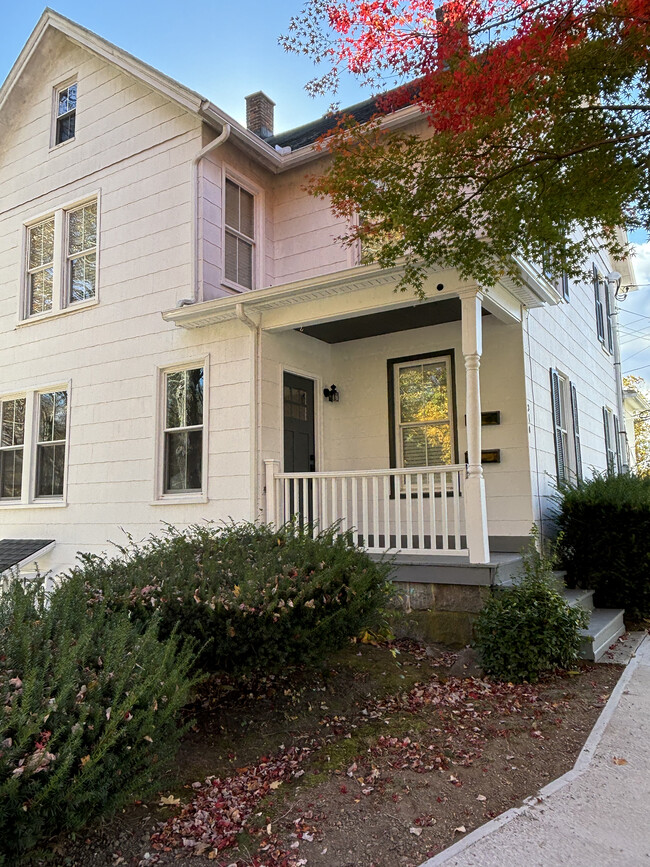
418, 510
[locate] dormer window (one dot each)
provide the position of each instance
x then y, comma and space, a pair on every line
66, 109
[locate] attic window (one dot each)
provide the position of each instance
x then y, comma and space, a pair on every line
66, 109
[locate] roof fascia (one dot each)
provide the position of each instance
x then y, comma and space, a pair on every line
188, 99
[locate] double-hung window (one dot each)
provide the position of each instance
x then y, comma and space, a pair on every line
61, 260
566, 428
239, 237
65, 111
183, 431
12, 446
423, 417
33, 446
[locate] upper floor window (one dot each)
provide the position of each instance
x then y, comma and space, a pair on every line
66, 110
40, 266
239, 238
81, 271
61, 266
602, 298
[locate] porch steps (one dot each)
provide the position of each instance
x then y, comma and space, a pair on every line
605, 624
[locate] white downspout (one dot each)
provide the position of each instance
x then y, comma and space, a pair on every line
223, 136
256, 369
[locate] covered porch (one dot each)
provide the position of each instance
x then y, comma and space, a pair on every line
331, 441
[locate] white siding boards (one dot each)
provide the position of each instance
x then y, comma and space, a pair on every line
566, 428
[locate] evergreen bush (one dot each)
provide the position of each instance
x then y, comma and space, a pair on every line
89, 706
605, 527
529, 628
251, 597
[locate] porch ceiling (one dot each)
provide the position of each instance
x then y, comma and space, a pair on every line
419, 315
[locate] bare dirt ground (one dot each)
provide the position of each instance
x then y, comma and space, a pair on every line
380, 758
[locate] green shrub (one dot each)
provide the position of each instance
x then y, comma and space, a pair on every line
250, 596
89, 708
605, 526
529, 628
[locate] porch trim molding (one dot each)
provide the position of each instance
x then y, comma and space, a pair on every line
504, 299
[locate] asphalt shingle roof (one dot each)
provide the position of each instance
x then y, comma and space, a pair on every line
14, 551
305, 135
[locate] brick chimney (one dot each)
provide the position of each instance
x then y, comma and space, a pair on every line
259, 114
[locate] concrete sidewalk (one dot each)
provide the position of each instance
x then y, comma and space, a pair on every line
596, 815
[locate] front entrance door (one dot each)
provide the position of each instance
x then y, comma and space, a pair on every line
299, 440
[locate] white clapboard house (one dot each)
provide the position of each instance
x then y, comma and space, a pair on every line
182, 338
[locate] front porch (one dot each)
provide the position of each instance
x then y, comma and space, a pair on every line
397, 461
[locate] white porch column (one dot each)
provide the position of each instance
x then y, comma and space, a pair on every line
475, 500
271, 469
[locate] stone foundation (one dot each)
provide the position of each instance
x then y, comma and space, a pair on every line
443, 613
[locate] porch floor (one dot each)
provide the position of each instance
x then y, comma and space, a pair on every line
430, 568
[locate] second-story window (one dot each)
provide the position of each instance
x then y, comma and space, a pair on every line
66, 110
239, 235
82, 252
40, 266
61, 260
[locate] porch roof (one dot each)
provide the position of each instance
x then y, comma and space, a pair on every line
362, 290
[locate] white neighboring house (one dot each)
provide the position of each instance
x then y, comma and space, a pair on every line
635, 404
173, 306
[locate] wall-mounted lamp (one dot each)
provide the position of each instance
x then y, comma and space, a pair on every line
331, 394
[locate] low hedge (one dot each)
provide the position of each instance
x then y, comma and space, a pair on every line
605, 531
251, 597
89, 706
529, 628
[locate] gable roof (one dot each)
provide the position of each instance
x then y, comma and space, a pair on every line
300, 140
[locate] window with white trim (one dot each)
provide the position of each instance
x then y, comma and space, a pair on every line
51, 443
33, 446
12, 447
65, 106
603, 302
239, 235
183, 431
424, 433
61, 260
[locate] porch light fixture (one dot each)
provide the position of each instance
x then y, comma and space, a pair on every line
331, 394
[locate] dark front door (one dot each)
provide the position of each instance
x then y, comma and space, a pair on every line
299, 442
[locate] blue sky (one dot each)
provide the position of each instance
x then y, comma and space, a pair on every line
226, 50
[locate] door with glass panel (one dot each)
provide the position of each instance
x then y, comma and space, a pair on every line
299, 440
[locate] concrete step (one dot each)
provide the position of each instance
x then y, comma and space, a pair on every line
439, 569
583, 598
605, 626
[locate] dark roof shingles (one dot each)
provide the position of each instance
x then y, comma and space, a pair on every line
14, 551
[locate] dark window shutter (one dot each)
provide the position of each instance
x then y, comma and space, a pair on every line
560, 457
576, 431
600, 320
609, 445
608, 314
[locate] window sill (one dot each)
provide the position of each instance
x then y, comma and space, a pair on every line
55, 147
180, 500
57, 314
40, 504
236, 288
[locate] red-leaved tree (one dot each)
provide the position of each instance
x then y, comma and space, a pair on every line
534, 128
